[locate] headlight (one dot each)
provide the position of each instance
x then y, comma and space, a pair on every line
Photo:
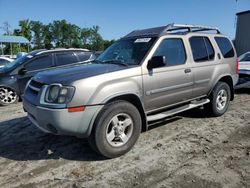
58, 94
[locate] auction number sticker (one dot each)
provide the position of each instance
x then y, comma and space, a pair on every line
142, 40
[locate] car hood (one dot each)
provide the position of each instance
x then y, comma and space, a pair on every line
71, 74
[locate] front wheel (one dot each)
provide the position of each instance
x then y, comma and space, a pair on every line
7, 96
116, 129
219, 99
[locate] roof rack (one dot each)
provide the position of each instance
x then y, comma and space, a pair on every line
170, 28
190, 28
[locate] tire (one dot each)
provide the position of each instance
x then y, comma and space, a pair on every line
8, 96
116, 129
219, 100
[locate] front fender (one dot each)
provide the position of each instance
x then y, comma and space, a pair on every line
99, 89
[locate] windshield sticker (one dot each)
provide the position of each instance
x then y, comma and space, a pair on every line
142, 40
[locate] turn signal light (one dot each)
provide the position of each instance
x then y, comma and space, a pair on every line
76, 109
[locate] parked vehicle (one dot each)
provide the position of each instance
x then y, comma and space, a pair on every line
146, 76
15, 75
244, 71
4, 61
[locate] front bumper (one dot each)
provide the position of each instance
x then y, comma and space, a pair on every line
60, 121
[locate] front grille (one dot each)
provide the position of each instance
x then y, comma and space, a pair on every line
35, 86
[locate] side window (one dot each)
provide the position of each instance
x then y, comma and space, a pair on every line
83, 56
202, 49
173, 50
65, 58
210, 49
39, 63
3, 61
225, 46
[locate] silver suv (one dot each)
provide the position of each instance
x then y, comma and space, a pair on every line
146, 76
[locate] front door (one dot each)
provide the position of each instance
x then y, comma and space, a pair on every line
31, 68
172, 83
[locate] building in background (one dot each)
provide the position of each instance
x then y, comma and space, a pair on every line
242, 38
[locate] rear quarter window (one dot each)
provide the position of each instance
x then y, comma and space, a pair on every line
225, 46
66, 58
83, 56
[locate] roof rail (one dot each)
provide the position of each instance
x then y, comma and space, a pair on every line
190, 28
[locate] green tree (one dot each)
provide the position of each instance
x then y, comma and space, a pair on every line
48, 37
38, 37
25, 29
96, 39
61, 33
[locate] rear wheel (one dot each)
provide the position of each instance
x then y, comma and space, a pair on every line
7, 96
219, 99
116, 130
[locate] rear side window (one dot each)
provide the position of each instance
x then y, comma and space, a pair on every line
210, 49
225, 46
83, 56
39, 63
66, 58
3, 61
173, 50
201, 48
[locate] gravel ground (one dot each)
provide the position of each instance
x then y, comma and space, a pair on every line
189, 150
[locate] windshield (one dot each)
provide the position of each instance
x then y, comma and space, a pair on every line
127, 51
17, 62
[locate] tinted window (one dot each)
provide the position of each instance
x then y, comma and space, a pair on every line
173, 50
3, 61
39, 63
199, 49
66, 58
225, 46
210, 49
83, 56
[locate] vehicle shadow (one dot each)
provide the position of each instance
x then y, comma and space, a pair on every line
22, 141
195, 113
243, 91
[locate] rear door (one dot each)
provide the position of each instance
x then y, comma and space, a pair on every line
32, 67
67, 58
204, 64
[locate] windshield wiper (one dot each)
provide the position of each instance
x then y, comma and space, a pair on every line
116, 62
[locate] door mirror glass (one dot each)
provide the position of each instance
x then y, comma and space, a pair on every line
156, 61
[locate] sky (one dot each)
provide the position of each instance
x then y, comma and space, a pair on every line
117, 18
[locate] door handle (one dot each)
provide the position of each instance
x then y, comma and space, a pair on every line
187, 71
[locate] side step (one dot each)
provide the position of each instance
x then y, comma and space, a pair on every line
174, 111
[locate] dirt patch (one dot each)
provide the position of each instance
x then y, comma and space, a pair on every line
189, 150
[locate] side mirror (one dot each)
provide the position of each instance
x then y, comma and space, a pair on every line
156, 61
22, 71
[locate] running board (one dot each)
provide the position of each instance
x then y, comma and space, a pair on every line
168, 113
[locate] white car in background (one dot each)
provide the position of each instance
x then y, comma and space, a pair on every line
244, 71
4, 61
